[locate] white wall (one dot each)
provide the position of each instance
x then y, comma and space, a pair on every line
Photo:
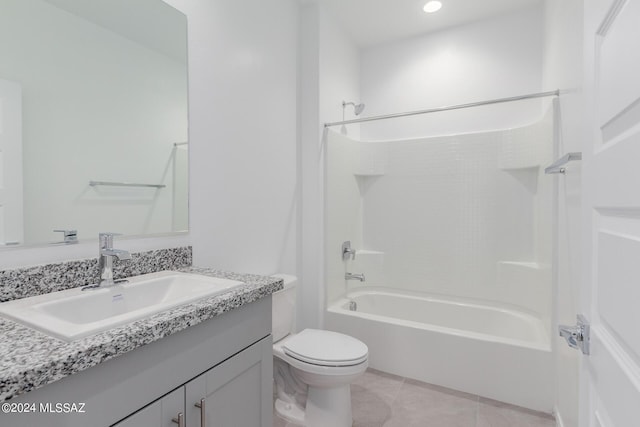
340, 73
310, 156
242, 132
493, 58
563, 69
96, 106
329, 73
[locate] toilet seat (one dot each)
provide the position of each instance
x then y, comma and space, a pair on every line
325, 348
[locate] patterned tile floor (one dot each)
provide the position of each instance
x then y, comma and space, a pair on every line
383, 400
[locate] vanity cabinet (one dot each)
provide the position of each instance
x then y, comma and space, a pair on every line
233, 393
229, 394
226, 361
158, 414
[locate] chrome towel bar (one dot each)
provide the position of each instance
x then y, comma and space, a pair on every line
124, 184
558, 165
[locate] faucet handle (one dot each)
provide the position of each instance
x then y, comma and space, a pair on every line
105, 240
108, 233
347, 252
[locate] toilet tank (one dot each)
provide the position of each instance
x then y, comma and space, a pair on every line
283, 315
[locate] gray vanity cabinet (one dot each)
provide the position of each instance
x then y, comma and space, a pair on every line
233, 393
157, 414
227, 395
226, 360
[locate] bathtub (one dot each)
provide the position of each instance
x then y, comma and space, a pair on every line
496, 352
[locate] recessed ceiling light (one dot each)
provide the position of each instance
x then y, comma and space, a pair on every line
432, 6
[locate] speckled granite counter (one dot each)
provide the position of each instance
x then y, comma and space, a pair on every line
42, 279
30, 359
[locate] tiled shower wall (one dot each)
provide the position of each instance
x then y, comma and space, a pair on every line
462, 215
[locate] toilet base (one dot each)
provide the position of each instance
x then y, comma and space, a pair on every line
325, 407
290, 412
330, 406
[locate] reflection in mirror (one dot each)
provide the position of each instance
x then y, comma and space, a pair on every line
92, 91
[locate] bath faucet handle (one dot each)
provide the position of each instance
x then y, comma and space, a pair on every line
105, 240
347, 251
106, 247
118, 253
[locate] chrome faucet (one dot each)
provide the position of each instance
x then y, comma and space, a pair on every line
347, 252
105, 258
354, 276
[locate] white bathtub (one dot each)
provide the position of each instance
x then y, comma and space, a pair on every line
496, 352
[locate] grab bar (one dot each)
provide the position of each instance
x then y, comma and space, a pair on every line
124, 184
557, 166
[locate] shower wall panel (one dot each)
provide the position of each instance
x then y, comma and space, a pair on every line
463, 215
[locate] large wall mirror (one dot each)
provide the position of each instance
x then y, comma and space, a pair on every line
93, 119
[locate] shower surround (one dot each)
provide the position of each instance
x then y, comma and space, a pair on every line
465, 219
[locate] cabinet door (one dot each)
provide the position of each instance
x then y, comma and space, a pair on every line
158, 414
236, 393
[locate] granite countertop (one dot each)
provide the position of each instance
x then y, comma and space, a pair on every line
30, 359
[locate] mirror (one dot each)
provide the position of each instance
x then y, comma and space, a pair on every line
93, 119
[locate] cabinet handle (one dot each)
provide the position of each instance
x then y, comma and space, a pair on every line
179, 420
200, 405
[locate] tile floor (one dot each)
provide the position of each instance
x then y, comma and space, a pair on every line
383, 400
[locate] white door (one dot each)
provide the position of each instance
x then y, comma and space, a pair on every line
610, 375
11, 220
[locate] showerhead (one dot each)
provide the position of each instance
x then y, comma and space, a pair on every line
357, 108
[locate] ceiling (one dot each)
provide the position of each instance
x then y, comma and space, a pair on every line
372, 22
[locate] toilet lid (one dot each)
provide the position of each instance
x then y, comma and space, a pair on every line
326, 348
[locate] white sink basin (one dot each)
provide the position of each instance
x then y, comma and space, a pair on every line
74, 313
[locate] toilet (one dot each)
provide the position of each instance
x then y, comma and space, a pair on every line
312, 369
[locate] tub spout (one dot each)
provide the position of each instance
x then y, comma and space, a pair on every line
354, 276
